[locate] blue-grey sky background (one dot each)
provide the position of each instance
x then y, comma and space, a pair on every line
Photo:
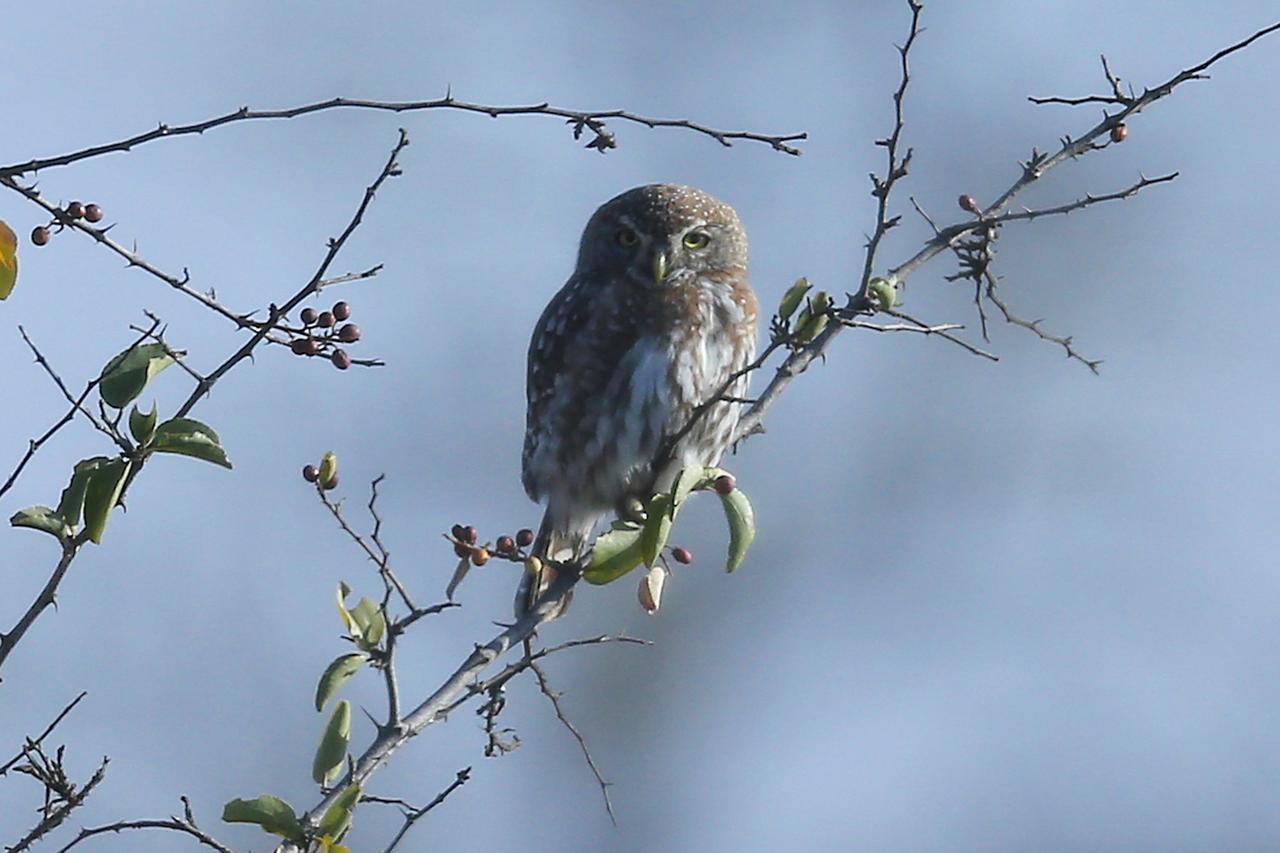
992, 606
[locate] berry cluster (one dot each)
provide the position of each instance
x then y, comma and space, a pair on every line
321, 334
465, 538
42, 234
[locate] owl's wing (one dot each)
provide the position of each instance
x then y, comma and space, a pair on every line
561, 321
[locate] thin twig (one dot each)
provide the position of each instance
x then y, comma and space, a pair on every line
37, 741
413, 815
544, 685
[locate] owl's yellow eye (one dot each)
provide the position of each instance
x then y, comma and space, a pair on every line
696, 240
626, 238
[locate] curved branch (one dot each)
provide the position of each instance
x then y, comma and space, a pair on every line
579, 120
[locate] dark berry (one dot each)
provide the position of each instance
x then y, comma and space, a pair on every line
331, 483
505, 545
341, 311
469, 535
479, 557
968, 202
682, 555
349, 333
1119, 133
524, 538
340, 359
309, 473
461, 550
325, 320
309, 316
40, 235
457, 530
299, 345
93, 213
724, 484
75, 210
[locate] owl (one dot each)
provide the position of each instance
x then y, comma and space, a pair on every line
657, 316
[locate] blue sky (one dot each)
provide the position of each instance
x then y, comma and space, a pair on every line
999, 606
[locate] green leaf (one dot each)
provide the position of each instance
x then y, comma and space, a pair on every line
143, 427
368, 617
44, 519
101, 494
742, 526
791, 299
332, 751
8, 260
657, 527
686, 483
615, 552
271, 813
882, 293
72, 500
337, 674
128, 373
189, 437
337, 818
352, 628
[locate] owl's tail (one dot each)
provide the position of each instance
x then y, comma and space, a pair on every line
554, 544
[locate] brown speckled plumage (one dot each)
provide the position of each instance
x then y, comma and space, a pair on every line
620, 358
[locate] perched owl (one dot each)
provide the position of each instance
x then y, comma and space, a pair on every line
656, 317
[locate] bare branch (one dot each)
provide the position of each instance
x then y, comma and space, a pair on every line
183, 825
544, 686
579, 120
37, 741
411, 814
335, 246
71, 799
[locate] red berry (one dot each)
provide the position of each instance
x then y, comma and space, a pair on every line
524, 538
724, 484
968, 202
75, 210
682, 555
479, 557
341, 311
349, 333
505, 545
309, 473
309, 316
1119, 133
93, 213
40, 235
325, 320
340, 359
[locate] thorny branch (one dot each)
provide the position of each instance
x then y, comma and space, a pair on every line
62, 796
411, 814
185, 824
579, 120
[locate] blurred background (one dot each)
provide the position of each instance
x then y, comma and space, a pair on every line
997, 606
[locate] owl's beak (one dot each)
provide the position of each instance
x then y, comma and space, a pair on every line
659, 267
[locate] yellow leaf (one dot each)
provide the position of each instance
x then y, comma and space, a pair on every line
8, 260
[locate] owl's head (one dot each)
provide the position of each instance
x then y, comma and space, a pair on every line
661, 234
